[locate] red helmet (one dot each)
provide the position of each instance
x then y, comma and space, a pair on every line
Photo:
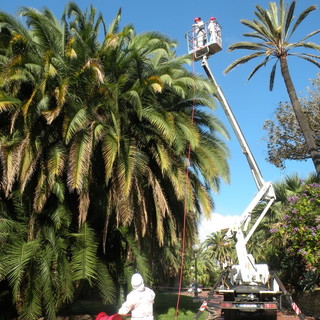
197, 19
213, 18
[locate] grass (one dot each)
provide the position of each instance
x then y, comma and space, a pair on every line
165, 307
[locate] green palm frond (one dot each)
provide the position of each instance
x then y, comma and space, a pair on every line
133, 98
61, 216
309, 59
306, 45
161, 121
140, 261
273, 73
105, 284
77, 123
31, 308
84, 260
243, 60
257, 67
301, 17
114, 26
19, 256
56, 161
7, 102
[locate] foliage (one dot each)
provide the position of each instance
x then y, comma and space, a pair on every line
285, 139
220, 248
207, 268
301, 225
299, 230
44, 265
96, 127
294, 270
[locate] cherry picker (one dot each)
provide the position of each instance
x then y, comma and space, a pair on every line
247, 286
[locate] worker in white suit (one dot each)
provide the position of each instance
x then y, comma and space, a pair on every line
213, 29
139, 301
199, 33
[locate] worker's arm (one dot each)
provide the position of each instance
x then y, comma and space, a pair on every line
127, 306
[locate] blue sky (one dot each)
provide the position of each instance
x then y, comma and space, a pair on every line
252, 103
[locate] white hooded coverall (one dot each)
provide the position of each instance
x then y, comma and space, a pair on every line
214, 30
139, 300
200, 33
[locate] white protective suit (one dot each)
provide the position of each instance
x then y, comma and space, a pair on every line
139, 300
214, 30
200, 33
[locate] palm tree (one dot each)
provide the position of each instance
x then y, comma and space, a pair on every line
220, 248
274, 27
95, 143
45, 256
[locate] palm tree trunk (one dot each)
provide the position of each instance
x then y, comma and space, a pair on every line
300, 116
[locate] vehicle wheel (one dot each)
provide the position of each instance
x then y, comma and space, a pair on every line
229, 314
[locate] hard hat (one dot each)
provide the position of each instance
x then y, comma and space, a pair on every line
197, 18
213, 18
137, 281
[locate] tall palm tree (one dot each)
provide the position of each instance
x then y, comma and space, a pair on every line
274, 28
103, 130
42, 263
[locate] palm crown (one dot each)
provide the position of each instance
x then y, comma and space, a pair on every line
274, 28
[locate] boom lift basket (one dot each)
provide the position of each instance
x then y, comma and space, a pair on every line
211, 43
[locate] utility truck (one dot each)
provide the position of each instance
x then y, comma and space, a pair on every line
246, 287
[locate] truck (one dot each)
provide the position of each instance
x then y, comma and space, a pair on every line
247, 287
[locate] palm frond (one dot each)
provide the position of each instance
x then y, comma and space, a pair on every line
140, 262
272, 76
105, 284
306, 45
19, 255
7, 102
79, 157
256, 68
77, 123
84, 262
243, 60
313, 61
301, 17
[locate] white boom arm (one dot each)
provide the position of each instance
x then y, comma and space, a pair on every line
265, 189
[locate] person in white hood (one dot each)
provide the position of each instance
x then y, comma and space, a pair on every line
139, 300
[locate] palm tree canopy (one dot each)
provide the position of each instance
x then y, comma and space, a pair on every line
274, 28
101, 130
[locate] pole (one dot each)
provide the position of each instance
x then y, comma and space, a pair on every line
196, 275
195, 249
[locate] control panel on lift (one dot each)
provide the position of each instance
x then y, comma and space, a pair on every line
204, 39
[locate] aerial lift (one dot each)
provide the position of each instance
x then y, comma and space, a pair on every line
247, 286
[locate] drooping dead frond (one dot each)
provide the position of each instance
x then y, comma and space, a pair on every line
84, 202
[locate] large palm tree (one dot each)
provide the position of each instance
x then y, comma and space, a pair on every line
274, 28
102, 129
